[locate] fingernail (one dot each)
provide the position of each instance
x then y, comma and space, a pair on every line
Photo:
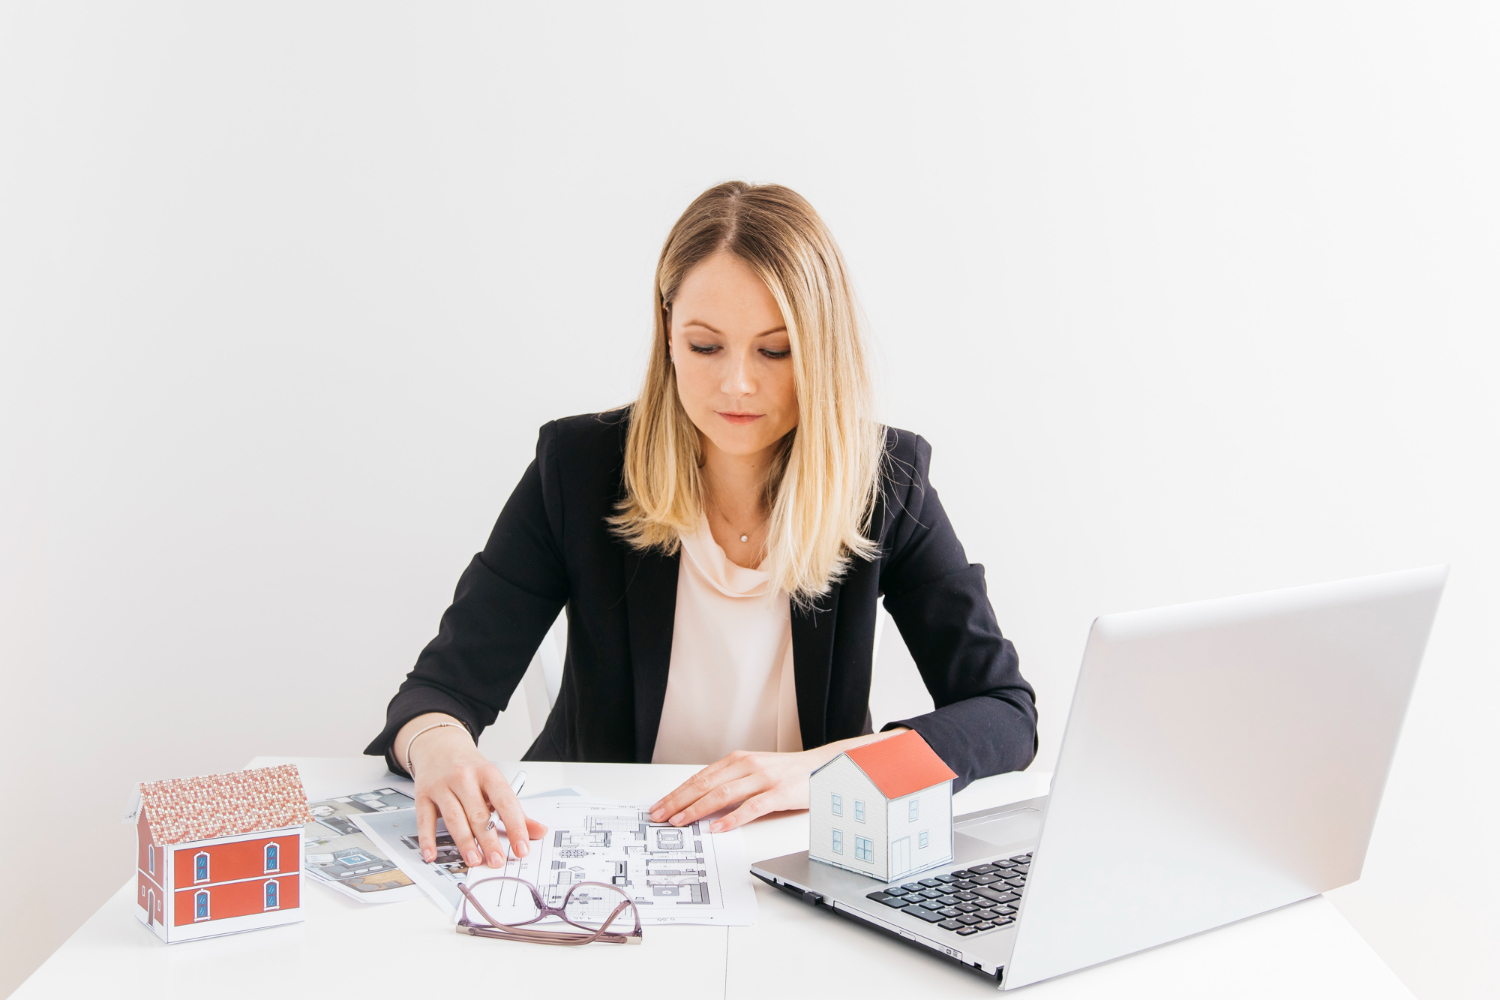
715, 827
677, 820
523, 849
656, 815
474, 859
497, 860
428, 854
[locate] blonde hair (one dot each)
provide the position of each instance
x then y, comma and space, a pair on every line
822, 487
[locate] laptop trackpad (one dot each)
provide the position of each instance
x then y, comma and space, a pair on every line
999, 830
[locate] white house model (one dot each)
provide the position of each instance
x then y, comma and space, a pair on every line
884, 809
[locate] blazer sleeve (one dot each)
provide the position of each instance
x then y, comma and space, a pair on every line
505, 602
984, 721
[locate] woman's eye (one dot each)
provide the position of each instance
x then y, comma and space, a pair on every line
777, 355
702, 348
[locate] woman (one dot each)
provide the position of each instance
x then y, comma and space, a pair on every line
720, 546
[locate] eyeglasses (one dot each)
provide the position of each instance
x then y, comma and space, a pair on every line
592, 907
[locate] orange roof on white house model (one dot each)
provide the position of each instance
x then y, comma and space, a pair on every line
901, 764
179, 810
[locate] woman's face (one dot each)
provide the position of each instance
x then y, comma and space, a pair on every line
733, 357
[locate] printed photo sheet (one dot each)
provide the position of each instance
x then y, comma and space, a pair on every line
337, 853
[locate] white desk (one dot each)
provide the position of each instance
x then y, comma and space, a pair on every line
345, 948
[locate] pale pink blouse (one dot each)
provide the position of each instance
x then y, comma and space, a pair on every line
730, 685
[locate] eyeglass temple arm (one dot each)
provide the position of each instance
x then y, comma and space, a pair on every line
611, 919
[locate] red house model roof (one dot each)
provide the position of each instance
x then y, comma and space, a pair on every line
224, 805
901, 764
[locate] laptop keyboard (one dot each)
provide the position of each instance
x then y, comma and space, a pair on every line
964, 902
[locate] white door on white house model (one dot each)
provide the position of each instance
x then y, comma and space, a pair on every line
900, 857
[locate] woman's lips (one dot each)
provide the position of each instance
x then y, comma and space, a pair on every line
739, 418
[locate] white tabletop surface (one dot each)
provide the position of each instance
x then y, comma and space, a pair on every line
348, 948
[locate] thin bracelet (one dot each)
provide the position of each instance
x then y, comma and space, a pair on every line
436, 725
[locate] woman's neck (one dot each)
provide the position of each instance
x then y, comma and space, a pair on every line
736, 483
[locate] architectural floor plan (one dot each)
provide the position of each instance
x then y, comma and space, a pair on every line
674, 874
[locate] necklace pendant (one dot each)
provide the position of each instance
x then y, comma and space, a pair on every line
744, 538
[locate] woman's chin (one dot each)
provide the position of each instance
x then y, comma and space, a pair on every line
743, 441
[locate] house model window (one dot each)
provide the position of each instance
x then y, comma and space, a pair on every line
151, 860
903, 800
273, 858
271, 895
200, 868
200, 906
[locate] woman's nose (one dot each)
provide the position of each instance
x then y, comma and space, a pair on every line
738, 379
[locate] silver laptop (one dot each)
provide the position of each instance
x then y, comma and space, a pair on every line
1220, 759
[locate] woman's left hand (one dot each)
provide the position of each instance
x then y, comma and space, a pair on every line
761, 782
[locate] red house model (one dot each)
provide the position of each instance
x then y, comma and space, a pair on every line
221, 853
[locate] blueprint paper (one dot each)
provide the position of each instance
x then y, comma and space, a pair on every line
395, 832
675, 875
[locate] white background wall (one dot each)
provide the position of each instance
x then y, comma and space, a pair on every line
1191, 300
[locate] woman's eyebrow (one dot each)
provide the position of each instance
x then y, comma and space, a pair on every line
711, 329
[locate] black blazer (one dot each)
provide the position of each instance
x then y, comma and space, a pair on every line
551, 546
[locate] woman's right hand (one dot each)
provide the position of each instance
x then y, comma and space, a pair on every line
454, 780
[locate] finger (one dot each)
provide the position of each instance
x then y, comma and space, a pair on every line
427, 828
731, 767
689, 789
752, 808
535, 830
511, 814
458, 827
724, 787
487, 839
721, 797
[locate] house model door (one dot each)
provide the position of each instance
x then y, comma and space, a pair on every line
900, 857
150, 908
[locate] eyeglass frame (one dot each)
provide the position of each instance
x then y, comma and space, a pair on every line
536, 935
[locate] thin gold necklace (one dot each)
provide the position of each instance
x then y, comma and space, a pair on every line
745, 536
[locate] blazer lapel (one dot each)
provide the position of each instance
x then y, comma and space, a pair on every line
812, 662
651, 609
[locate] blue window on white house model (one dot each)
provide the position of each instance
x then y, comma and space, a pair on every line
859, 811
200, 906
838, 804
272, 893
273, 858
913, 809
863, 849
838, 842
200, 867
922, 839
